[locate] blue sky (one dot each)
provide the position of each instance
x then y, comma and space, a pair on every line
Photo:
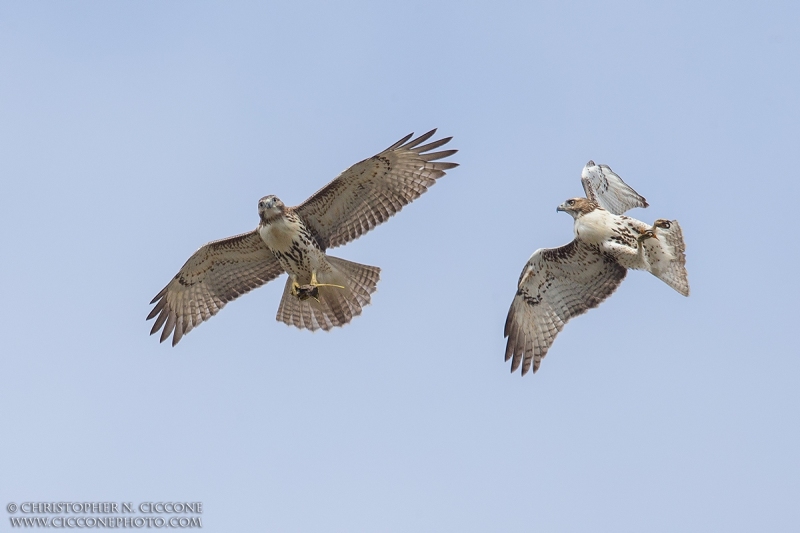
131, 133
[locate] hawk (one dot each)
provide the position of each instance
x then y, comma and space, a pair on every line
560, 283
321, 291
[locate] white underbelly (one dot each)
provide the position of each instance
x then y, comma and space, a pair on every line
297, 257
278, 237
594, 227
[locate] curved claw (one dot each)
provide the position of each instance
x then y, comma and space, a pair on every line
648, 234
662, 223
311, 290
296, 289
304, 292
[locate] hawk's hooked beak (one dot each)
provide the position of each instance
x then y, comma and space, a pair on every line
560, 208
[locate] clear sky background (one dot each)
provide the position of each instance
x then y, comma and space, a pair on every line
131, 133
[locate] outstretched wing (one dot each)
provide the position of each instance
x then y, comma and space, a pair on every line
371, 191
605, 188
217, 273
556, 285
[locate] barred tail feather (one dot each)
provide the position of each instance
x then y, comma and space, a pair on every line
336, 307
667, 255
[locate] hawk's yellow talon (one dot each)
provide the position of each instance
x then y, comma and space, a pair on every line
295, 288
648, 234
328, 285
304, 292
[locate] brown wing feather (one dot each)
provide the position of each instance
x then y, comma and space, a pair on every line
370, 192
556, 285
217, 273
604, 187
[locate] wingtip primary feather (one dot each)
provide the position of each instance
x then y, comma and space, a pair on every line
400, 142
157, 309
178, 335
437, 155
419, 140
430, 146
443, 165
159, 295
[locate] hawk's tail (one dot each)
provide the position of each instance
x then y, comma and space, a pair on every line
667, 255
333, 306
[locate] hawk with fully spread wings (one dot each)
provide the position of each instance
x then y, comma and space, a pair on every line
560, 283
322, 291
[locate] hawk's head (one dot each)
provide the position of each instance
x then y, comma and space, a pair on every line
577, 207
269, 208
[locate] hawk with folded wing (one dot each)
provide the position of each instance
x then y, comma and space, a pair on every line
321, 291
560, 283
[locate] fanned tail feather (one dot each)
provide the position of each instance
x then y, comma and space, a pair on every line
336, 307
667, 255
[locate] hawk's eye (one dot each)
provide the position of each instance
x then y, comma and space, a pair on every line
570, 202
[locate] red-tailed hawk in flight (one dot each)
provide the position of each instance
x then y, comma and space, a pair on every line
322, 291
560, 283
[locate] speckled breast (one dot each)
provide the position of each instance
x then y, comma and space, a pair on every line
293, 245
